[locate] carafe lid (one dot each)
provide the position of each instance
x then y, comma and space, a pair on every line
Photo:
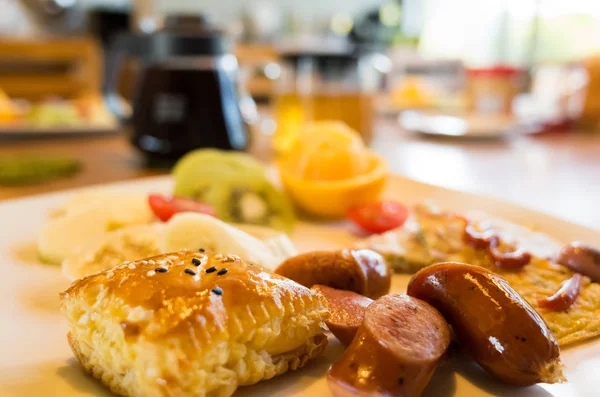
188, 35
326, 61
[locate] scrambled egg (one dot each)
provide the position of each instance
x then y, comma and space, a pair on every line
439, 237
540, 279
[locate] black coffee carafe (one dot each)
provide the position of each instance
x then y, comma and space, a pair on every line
186, 95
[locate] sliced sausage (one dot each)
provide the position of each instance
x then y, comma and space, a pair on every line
581, 258
362, 271
502, 332
395, 351
565, 297
346, 311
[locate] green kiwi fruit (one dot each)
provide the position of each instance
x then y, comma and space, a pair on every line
235, 184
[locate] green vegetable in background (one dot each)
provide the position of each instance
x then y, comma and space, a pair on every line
31, 170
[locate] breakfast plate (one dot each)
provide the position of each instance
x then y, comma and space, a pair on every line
36, 359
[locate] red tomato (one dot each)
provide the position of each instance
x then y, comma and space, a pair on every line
378, 217
164, 207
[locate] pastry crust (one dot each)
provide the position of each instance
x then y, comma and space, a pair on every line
183, 331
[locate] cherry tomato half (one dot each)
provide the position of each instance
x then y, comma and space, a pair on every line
164, 207
378, 217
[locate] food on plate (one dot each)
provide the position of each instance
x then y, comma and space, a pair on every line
53, 113
189, 323
502, 332
412, 93
378, 216
84, 111
542, 279
581, 258
8, 111
141, 241
327, 151
92, 108
235, 185
403, 248
164, 207
346, 311
277, 242
362, 271
194, 231
16, 171
395, 351
509, 259
117, 246
198, 164
87, 219
329, 169
565, 297
431, 235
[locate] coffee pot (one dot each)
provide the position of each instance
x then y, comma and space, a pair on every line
186, 95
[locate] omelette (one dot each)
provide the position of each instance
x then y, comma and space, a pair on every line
432, 236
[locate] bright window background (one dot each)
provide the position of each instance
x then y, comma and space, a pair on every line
503, 31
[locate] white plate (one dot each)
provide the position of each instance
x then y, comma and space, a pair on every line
470, 126
35, 359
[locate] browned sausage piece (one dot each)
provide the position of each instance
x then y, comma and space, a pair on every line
502, 332
565, 297
581, 258
346, 311
362, 271
395, 351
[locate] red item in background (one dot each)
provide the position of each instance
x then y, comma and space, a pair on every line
378, 217
164, 207
496, 71
492, 90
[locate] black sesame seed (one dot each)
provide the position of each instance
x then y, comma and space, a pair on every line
211, 269
222, 271
160, 270
201, 250
190, 272
196, 262
400, 381
217, 291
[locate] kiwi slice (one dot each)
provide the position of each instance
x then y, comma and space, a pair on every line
255, 202
205, 165
235, 185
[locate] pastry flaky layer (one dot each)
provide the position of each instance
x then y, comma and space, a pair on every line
192, 324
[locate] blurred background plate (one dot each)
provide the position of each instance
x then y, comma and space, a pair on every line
461, 126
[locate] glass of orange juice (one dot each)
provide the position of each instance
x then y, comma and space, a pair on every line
324, 85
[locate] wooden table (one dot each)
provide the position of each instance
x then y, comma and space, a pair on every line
558, 174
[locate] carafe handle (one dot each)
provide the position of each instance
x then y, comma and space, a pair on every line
122, 47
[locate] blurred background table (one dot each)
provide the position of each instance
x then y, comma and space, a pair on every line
523, 66
558, 173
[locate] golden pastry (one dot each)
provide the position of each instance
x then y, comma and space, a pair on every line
189, 323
